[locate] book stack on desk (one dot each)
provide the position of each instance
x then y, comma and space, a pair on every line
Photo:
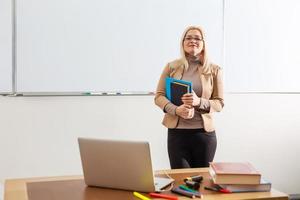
238, 177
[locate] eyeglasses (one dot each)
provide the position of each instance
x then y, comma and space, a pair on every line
193, 38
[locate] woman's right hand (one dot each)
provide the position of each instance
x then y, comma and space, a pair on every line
185, 111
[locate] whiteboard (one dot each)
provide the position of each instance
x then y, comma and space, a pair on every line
97, 45
5, 46
262, 45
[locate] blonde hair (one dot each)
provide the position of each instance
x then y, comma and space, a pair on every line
203, 55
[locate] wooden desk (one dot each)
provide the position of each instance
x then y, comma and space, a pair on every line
73, 187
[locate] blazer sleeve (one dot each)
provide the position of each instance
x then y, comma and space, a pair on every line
160, 95
217, 98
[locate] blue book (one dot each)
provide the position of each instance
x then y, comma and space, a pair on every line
175, 88
264, 186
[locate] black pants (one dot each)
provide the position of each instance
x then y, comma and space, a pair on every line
191, 147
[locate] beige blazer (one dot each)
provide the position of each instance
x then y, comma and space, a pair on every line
212, 84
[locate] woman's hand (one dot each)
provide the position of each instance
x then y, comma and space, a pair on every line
185, 111
191, 99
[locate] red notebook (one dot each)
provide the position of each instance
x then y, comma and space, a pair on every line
234, 173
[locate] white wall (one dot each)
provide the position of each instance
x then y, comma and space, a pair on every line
39, 134
1, 191
5, 46
262, 44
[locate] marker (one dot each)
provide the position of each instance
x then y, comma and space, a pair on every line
197, 178
164, 196
125, 93
186, 188
217, 190
95, 93
196, 193
193, 185
86, 93
177, 190
140, 196
100, 93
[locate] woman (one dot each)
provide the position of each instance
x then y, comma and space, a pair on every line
191, 135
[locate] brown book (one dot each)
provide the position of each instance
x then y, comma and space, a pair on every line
234, 173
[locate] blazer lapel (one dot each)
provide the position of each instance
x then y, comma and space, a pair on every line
205, 82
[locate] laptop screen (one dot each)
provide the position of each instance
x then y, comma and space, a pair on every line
117, 164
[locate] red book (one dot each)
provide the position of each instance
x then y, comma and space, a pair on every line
234, 173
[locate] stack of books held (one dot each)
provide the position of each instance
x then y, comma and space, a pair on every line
176, 88
238, 177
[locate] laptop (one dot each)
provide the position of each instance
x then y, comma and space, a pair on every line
119, 164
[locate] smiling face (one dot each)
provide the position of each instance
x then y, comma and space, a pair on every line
193, 42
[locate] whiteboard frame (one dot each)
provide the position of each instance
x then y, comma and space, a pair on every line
14, 69
70, 93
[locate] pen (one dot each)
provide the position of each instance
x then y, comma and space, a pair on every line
217, 190
140, 196
164, 196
